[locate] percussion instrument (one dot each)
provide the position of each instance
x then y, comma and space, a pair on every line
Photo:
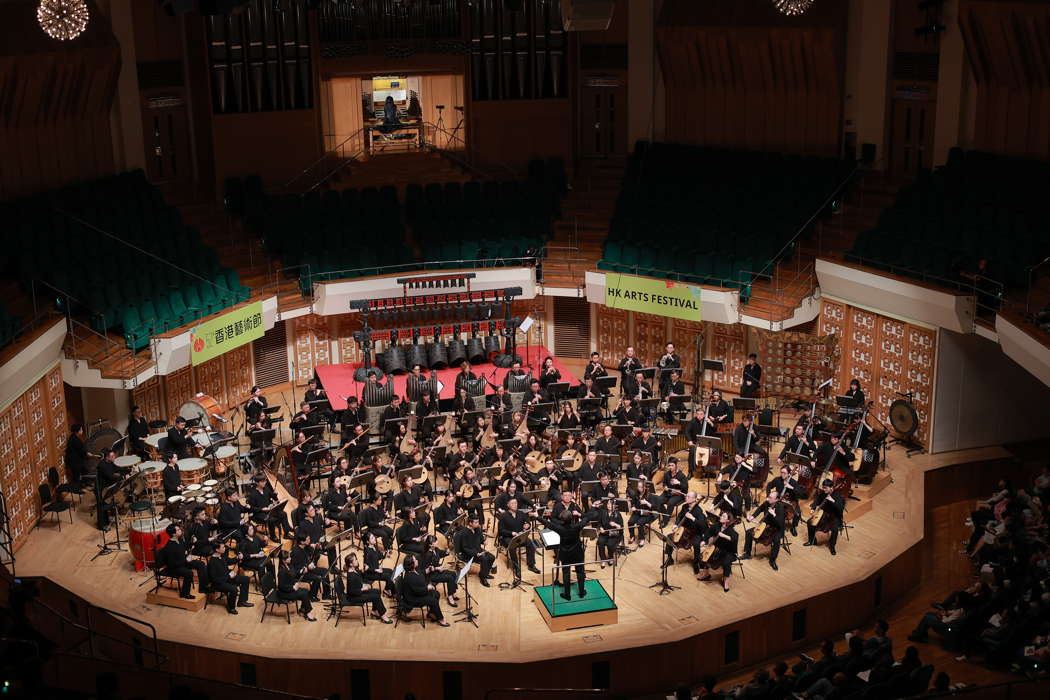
192, 470
394, 360
437, 358
211, 505
191, 488
476, 351
146, 536
153, 474
225, 458
128, 461
173, 509
202, 411
102, 439
157, 444
417, 355
210, 485
457, 352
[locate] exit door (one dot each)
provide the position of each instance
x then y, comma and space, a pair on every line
603, 119
165, 131
911, 139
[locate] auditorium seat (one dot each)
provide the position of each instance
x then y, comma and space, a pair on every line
978, 205
713, 216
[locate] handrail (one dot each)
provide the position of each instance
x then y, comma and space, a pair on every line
137, 621
958, 285
466, 148
343, 162
1006, 685
317, 162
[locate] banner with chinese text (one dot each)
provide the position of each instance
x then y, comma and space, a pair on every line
231, 330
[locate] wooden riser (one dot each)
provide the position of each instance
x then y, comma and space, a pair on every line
170, 598
573, 622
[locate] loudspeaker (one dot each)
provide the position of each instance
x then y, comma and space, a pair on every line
586, 15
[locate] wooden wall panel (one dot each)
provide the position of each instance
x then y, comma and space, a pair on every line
311, 345
729, 345
683, 335
239, 374
178, 389
650, 337
611, 334
209, 378
38, 432
888, 356
149, 395
58, 420
348, 350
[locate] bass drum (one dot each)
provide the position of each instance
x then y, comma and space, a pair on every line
203, 411
98, 442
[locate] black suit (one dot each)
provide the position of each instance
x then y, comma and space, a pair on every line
138, 430
775, 521
235, 586
171, 479
178, 442
570, 552
287, 590
415, 591
230, 519
470, 544
753, 374
509, 525
173, 554
356, 593
834, 506
76, 456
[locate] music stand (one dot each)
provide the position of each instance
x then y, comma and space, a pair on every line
430, 423
464, 580
516, 544
647, 373
591, 405
604, 383
708, 365
313, 431
372, 452
534, 496
662, 584
470, 418
509, 444
744, 404
105, 495
564, 464
557, 391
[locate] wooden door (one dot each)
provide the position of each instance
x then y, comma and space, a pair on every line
167, 139
603, 118
911, 136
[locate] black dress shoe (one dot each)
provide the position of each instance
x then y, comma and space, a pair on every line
745, 556
232, 612
245, 605
773, 566
808, 544
486, 584
832, 550
186, 597
534, 570
566, 596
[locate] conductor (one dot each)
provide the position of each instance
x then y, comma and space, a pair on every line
568, 526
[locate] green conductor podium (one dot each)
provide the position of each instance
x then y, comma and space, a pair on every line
596, 607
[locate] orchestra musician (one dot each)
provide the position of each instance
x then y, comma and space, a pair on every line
255, 405
548, 373
371, 521
627, 413
303, 565
199, 532
590, 416
231, 515
647, 442
499, 503
355, 447
178, 564
226, 580
261, 444
260, 500
834, 455
373, 391
415, 382
501, 405
554, 477
411, 496
831, 506
610, 531
356, 593
373, 569
396, 410
169, 477
516, 372
138, 431
594, 368
771, 512
601, 492
639, 469
337, 500
676, 488
629, 365
745, 442
729, 499
570, 550
855, 393
644, 509
789, 493
446, 513
76, 454
287, 590
106, 476
751, 377
568, 419
352, 416
469, 543
178, 438
319, 404
674, 394
425, 406
431, 568
608, 444
719, 411
305, 418
725, 540
693, 521
410, 534
418, 593
799, 443
635, 387
464, 377
668, 361
513, 522
253, 558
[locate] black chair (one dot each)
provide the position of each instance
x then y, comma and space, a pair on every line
59, 488
341, 600
404, 608
49, 505
160, 576
271, 599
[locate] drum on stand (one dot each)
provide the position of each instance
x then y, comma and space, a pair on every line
174, 508
146, 536
157, 444
225, 458
192, 470
203, 411
152, 474
128, 461
211, 506
101, 440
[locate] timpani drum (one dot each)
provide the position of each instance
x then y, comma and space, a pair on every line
210, 484
203, 411
157, 443
211, 505
192, 470
128, 461
192, 489
174, 507
147, 535
153, 473
225, 457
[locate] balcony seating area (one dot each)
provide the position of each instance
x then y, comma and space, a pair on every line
977, 206
122, 256
10, 325
347, 233
713, 216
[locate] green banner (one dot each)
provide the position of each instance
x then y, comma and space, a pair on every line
652, 296
231, 330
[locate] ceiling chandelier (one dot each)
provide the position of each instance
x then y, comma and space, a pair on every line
63, 19
792, 8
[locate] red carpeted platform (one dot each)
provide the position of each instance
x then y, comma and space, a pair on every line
338, 380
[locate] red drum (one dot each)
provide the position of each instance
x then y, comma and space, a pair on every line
146, 537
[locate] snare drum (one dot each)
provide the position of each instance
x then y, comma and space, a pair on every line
157, 443
145, 538
192, 470
128, 461
225, 457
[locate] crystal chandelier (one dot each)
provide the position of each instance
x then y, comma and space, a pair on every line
792, 8
63, 19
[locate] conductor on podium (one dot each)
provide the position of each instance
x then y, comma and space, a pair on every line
570, 550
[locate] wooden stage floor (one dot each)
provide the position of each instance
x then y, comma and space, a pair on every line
510, 627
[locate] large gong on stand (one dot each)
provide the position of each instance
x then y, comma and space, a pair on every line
904, 420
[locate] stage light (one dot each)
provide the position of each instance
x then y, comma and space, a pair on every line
63, 19
792, 8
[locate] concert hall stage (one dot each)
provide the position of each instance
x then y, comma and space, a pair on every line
338, 380
595, 608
